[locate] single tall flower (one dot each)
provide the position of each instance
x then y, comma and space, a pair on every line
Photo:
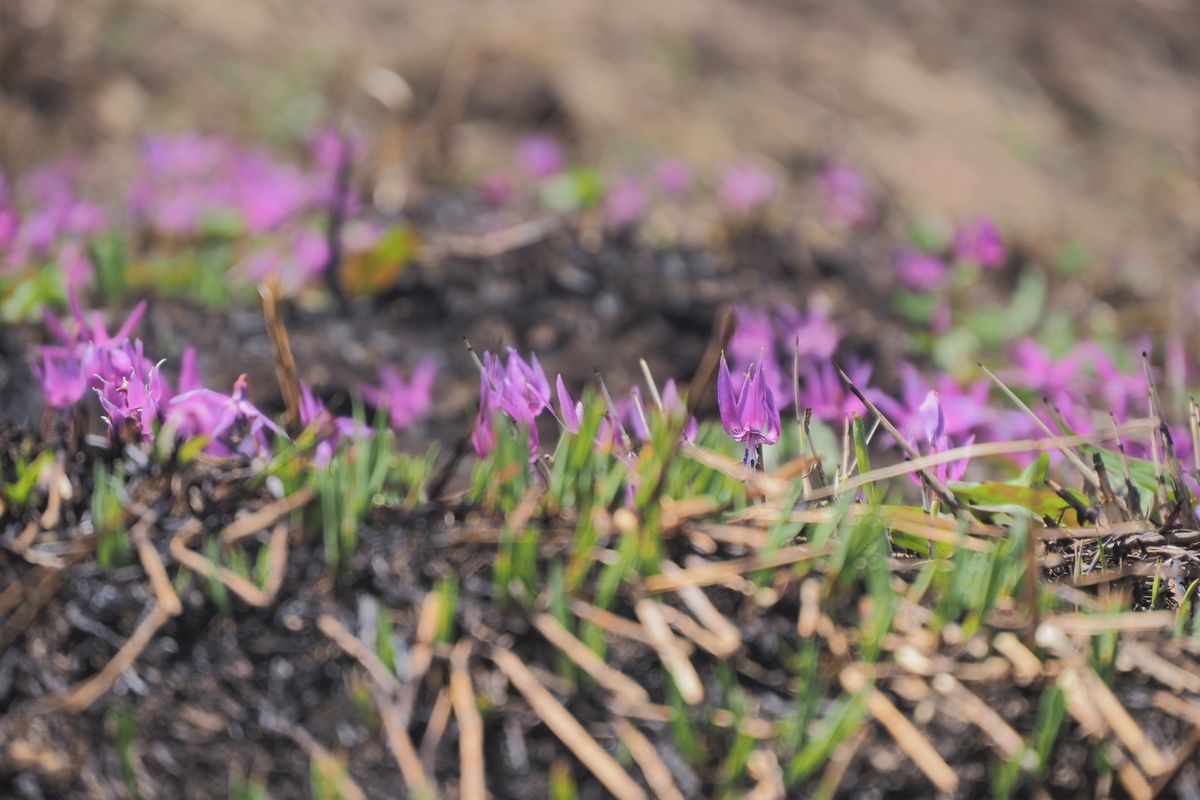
933, 420
568, 410
749, 417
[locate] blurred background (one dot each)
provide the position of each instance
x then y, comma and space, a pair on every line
1068, 121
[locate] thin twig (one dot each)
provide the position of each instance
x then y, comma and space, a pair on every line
931, 480
81, 696
266, 516
1087, 472
472, 773
567, 728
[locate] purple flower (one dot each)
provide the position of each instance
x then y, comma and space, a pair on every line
753, 333
1116, 389
405, 401
674, 176
103, 362
964, 410
10, 220
497, 188
812, 335
936, 440
518, 389
569, 412
76, 268
507, 390
329, 147
625, 203
745, 188
61, 377
233, 424
634, 414
189, 373
483, 435
979, 242
90, 327
331, 430
187, 180
1059, 381
750, 416
540, 156
932, 418
847, 201
296, 262
673, 403
919, 270
10, 223
822, 390
135, 398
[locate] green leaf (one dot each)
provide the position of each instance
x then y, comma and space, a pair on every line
578, 189
1008, 498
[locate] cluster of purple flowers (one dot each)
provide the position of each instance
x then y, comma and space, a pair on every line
46, 219
183, 184
1083, 387
774, 344
187, 180
518, 389
405, 402
134, 394
976, 241
741, 189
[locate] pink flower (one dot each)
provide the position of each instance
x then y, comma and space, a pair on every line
569, 412
812, 334
823, 391
540, 156
936, 440
978, 242
136, 397
497, 188
964, 410
846, 198
331, 431
233, 424
61, 377
674, 176
405, 401
625, 203
672, 403
919, 270
745, 188
749, 416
